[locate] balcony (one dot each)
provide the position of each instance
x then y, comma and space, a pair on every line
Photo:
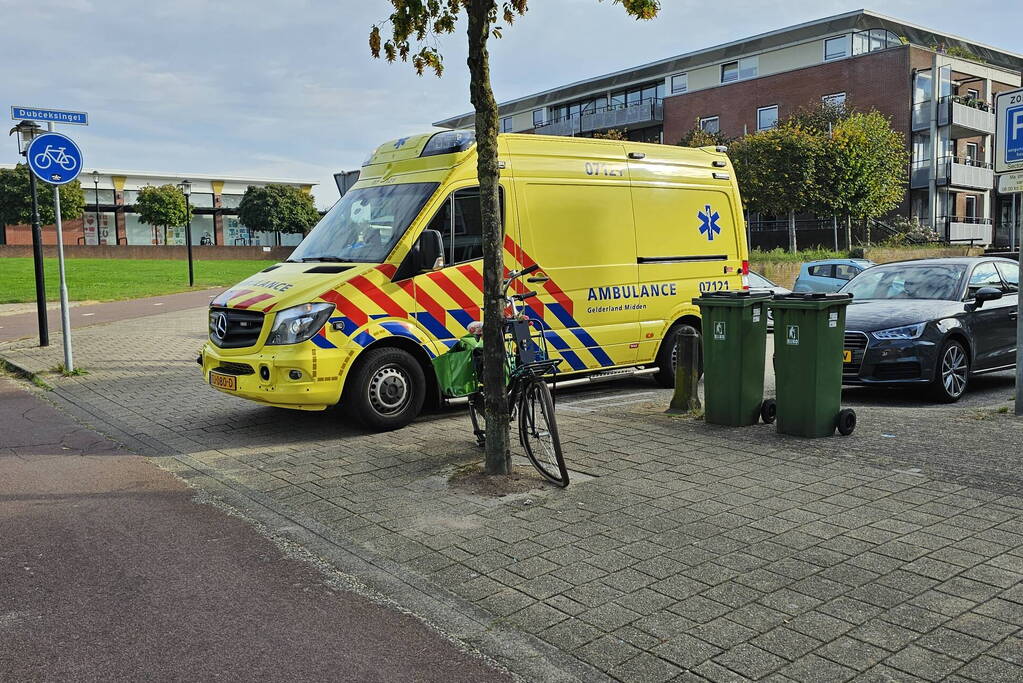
968, 117
640, 115
959, 172
976, 231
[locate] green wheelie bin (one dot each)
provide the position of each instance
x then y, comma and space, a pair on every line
734, 341
809, 334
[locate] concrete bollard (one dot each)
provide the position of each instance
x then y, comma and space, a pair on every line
687, 372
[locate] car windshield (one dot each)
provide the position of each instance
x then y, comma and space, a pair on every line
924, 281
365, 225
759, 281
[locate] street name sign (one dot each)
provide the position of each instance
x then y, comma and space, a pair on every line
76, 118
1009, 131
54, 158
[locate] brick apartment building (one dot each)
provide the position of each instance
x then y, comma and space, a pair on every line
861, 58
110, 217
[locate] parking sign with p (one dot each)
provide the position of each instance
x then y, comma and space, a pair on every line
1009, 131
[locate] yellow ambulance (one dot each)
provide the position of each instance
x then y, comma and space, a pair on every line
625, 235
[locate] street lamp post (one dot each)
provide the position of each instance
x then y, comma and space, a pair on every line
186, 189
27, 131
95, 186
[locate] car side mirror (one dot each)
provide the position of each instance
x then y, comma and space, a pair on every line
430, 251
986, 294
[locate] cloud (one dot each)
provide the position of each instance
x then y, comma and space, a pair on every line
289, 89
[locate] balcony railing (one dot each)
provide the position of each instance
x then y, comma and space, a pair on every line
976, 231
969, 117
641, 114
954, 171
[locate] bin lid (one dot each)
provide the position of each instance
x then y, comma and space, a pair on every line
732, 297
811, 299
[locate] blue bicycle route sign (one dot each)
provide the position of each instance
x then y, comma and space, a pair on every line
54, 158
77, 118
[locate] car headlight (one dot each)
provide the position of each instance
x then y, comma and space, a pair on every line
904, 332
298, 323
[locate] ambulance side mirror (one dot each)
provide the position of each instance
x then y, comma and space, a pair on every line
430, 251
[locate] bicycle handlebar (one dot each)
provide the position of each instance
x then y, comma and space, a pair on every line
523, 296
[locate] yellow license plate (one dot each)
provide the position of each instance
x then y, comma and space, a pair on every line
229, 382
847, 356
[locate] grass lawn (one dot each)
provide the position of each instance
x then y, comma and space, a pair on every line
113, 279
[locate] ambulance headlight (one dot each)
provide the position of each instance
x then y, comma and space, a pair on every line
298, 323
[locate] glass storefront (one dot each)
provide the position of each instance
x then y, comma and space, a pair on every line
139, 233
105, 196
231, 201
201, 200
99, 228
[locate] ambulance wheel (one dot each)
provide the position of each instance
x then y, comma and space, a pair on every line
667, 357
386, 389
846, 421
768, 411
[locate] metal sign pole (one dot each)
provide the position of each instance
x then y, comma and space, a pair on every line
1019, 317
65, 313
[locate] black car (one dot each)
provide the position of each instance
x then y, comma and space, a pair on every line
931, 321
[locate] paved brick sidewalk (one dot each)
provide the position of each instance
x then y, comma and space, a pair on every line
695, 552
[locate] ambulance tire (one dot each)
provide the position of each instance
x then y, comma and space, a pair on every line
666, 357
386, 389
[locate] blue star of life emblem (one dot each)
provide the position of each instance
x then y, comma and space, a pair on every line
709, 223
399, 142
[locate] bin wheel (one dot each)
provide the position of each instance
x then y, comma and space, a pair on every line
768, 411
846, 421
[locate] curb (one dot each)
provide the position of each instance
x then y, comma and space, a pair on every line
24, 373
525, 655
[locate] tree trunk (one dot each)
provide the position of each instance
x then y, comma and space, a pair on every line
866, 231
848, 232
496, 409
792, 232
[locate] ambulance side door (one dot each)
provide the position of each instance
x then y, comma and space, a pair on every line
687, 232
575, 213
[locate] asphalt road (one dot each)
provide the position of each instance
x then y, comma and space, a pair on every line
22, 325
110, 571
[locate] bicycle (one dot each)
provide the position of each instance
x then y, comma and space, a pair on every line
528, 394
50, 156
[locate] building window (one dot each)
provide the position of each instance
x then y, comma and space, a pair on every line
105, 196
729, 72
506, 124
748, 67
836, 48
972, 150
710, 124
679, 83
537, 118
834, 100
973, 94
739, 70
971, 207
767, 117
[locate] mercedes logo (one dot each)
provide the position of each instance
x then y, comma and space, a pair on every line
220, 324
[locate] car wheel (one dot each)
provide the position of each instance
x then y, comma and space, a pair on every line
952, 374
667, 356
386, 390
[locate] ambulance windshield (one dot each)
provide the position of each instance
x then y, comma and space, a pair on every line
365, 225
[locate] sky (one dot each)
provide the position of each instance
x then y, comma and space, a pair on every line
288, 89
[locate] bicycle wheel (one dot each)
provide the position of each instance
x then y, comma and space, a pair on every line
477, 414
538, 432
43, 160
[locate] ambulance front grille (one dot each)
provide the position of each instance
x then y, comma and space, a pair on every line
231, 328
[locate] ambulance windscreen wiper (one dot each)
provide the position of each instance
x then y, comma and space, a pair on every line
329, 259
